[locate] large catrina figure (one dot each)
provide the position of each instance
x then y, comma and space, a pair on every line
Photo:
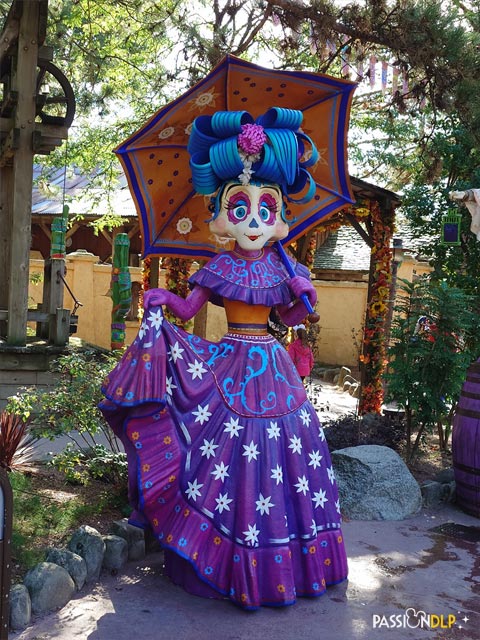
228, 463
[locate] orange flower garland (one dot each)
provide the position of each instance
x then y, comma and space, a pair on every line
373, 356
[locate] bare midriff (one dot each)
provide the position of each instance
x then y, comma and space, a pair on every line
246, 318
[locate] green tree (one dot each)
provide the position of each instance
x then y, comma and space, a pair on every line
434, 337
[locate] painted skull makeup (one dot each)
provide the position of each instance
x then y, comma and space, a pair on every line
251, 214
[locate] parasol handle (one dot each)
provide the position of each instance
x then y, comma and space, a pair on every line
312, 314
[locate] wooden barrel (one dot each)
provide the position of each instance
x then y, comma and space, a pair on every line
466, 443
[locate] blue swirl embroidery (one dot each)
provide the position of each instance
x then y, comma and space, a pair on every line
220, 350
251, 374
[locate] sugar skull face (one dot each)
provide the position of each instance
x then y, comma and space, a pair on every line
251, 214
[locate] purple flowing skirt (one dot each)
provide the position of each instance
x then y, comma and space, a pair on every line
228, 465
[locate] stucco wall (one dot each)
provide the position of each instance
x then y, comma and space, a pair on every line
341, 306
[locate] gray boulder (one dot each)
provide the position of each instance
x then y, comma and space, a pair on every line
374, 483
116, 552
50, 587
135, 537
72, 562
88, 543
20, 607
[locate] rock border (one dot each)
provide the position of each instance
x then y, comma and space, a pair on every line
50, 584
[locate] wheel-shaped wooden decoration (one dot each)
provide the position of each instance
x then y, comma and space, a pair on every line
55, 98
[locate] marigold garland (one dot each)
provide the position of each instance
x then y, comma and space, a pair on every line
177, 271
373, 356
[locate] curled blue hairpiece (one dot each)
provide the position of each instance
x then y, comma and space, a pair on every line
216, 157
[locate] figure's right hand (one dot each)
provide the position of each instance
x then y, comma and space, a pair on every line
155, 298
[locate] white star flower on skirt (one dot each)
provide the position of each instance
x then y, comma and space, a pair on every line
222, 502
331, 474
305, 417
252, 534
202, 415
273, 430
156, 319
232, 427
251, 451
208, 448
193, 490
315, 458
296, 445
220, 472
319, 498
302, 485
277, 474
143, 329
337, 505
196, 369
176, 352
264, 504
169, 386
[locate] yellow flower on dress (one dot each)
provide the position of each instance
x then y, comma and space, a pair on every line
169, 537
186, 513
254, 562
167, 440
243, 597
339, 539
195, 555
135, 435
155, 522
119, 391
312, 549
172, 478
217, 540
281, 588
145, 468
146, 357
327, 561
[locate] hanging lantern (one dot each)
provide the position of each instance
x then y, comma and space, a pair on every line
451, 224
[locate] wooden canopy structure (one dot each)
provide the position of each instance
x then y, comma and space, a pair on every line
33, 120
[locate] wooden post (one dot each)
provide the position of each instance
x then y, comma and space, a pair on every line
24, 121
6, 512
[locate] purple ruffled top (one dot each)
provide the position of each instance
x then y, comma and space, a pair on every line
261, 280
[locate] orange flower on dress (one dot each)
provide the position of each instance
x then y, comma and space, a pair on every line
169, 537
217, 540
167, 440
145, 468
135, 435
281, 588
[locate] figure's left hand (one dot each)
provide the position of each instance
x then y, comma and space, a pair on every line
299, 285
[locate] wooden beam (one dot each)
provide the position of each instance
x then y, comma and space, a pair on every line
73, 229
46, 230
25, 79
360, 230
10, 34
133, 230
108, 237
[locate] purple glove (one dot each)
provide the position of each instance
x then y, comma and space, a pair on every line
299, 285
183, 308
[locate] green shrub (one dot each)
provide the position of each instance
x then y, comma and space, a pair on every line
70, 408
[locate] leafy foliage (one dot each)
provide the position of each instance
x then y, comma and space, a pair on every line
70, 409
16, 444
435, 338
